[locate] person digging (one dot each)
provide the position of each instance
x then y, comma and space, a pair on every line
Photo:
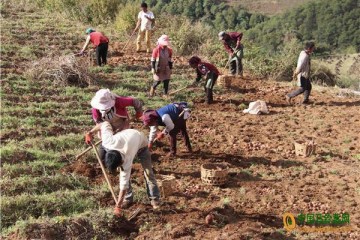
100, 43
173, 117
109, 107
120, 150
146, 22
232, 44
161, 64
210, 72
302, 74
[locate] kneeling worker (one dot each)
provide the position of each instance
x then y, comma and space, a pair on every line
120, 150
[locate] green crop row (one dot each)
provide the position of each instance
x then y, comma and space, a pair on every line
25, 206
42, 184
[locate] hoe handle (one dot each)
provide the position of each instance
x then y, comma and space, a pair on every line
86, 150
104, 172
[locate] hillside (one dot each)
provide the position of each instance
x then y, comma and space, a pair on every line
332, 24
266, 7
47, 194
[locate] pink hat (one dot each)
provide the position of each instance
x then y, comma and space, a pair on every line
103, 99
164, 40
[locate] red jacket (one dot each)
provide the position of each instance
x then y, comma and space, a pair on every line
120, 108
233, 42
205, 68
156, 56
96, 38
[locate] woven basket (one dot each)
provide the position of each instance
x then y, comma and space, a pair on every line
214, 174
167, 184
225, 81
304, 149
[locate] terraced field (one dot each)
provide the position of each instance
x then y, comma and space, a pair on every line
46, 194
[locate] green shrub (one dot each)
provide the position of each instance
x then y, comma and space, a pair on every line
323, 75
87, 11
126, 18
185, 37
276, 65
349, 82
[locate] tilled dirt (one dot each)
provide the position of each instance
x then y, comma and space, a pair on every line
266, 178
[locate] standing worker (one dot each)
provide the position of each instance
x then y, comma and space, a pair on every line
232, 44
120, 150
208, 70
161, 64
302, 74
173, 118
109, 107
146, 22
100, 43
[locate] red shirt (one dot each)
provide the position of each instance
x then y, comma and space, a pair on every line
96, 38
205, 68
120, 108
233, 42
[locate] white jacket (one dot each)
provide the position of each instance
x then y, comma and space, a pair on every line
303, 65
128, 142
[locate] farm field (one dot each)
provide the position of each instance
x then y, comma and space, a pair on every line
46, 194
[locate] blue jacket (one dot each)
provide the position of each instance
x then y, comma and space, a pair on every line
170, 109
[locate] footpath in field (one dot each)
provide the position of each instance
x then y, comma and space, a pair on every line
47, 194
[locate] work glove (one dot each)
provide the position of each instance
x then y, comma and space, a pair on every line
117, 211
160, 136
138, 115
153, 71
88, 138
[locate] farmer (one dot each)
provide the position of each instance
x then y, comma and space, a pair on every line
302, 74
110, 107
146, 22
161, 64
120, 150
232, 44
208, 70
100, 43
173, 118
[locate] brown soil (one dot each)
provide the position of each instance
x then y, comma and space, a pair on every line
266, 179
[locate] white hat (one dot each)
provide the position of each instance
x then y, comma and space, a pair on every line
221, 35
103, 99
164, 40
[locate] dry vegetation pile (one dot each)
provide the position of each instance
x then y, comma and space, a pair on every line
68, 70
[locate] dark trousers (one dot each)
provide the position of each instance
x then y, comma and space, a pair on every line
101, 53
166, 85
209, 85
236, 66
180, 126
152, 188
305, 87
